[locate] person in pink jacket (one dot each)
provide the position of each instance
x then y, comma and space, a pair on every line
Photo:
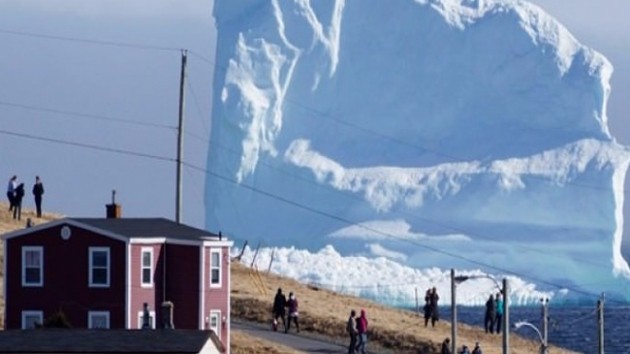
362, 328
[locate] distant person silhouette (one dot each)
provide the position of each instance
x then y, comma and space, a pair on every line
38, 191
446, 346
11, 191
499, 318
433, 299
427, 307
491, 314
278, 310
292, 304
351, 328
17, 201
477, 349
362, 328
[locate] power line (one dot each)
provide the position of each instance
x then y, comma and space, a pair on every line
87, 146
88, 41
85, 115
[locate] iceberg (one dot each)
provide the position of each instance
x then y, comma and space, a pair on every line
465, 134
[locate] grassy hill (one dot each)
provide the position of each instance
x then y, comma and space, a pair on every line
322, 313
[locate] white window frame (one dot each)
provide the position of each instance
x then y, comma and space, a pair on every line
40, 251
26, 314
215, 317
151, 319
93, 314
148, 250
92, 250
213, 267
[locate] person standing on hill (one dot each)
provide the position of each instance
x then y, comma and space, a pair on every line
292, 304
351, 328
499, 318
38, 191
491, 314
446, 346
11, 191
477, 349
433, 305
427, 307
362, 327
17, 201
279, 304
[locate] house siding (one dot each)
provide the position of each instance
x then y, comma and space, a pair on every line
217, 298
182, 284
140, 294
65, 278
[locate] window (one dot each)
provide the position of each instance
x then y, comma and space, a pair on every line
30, 319
98, 319
151, 319
99, 267
215, 322
215, 268
147, 267
32, 266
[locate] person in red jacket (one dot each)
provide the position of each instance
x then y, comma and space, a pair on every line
292, 304
362, 328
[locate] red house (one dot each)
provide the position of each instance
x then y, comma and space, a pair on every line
101, 271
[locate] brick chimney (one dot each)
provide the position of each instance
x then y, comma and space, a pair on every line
114, 211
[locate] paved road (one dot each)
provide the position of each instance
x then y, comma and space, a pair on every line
291, 339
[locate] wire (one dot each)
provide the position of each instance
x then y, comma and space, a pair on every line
88, 146
86, 115
87, 41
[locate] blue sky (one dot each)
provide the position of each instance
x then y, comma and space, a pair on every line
106, 95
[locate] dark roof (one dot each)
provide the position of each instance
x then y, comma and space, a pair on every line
105, 341
147, 227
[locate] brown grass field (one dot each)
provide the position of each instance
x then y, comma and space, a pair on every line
322, 313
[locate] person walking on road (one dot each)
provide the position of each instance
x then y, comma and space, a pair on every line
351, 328
292, 304
11, 192
491, 314
362, 327
17, 201
38, 191
279, 304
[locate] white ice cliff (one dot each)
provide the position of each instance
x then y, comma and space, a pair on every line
466, 134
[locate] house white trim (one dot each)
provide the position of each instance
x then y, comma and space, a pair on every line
143, 267
151, 319
214, 322
39, 250
202, 289
91, 267
218, 267
32, 313
93, 314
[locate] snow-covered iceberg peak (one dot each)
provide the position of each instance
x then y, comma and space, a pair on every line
462, 133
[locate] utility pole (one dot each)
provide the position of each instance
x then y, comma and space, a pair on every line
506, 317
600, 322
180, 140
453, 313
545, 325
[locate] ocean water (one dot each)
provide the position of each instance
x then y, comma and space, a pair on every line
574, 328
